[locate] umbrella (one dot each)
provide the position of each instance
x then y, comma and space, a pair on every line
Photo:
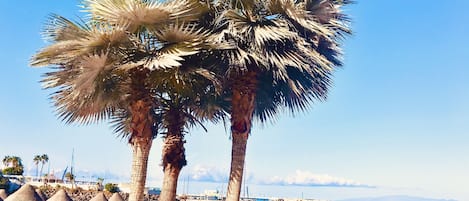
99, 197
25, 193
116, 197
60, 195
3, 194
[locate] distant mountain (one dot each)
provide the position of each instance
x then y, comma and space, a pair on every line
396, 198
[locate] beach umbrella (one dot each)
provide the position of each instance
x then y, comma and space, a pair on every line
40, 194
116, 197
3, 194
99, 197
60, 195
25, 193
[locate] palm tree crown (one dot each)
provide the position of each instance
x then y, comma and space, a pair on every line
292, 46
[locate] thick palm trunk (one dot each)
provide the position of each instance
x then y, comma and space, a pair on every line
174, 157
243, 103
171, 175
141, 128
141, 151
173, 161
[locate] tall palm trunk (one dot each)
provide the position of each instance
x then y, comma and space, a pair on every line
141, 129
141, 151
42, 166
141, 141
174, 157
243, 104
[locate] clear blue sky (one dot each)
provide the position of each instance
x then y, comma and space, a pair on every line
396, 119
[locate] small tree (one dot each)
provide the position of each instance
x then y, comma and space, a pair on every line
37, 159
13, 164
4, 182
99, 184
44, 160
113, 188
70, 178
100, 180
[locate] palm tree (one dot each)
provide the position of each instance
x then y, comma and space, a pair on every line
109, 66
44, 160
12, 161
70, 178
184, 104
286, 52
13, 165
37, 159
185, 97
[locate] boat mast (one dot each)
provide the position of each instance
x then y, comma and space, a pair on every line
71, 163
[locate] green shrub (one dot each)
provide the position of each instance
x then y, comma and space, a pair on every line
13, 170
4, 182
111, 188
69, 176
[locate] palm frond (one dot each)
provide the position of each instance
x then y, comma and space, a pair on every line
121, 122
180, 32
59, 28
82, 110
130, 13
89, 91
240, 4
90, 68
92, 39
167, 60
297, 93
329, 12
240, 60
299, 16
266, 34
58, 53
211, 107
176, 42
187, 10
211, 77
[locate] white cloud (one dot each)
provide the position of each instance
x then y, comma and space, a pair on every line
299, 178
209, 174
305, 178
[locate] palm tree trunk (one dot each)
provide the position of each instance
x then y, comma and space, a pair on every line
142, 133
238, 153
141, 151
173, 160
42, 166
174, 157
141, 141
243, 104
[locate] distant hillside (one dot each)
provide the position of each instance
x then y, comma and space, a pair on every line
396, 198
